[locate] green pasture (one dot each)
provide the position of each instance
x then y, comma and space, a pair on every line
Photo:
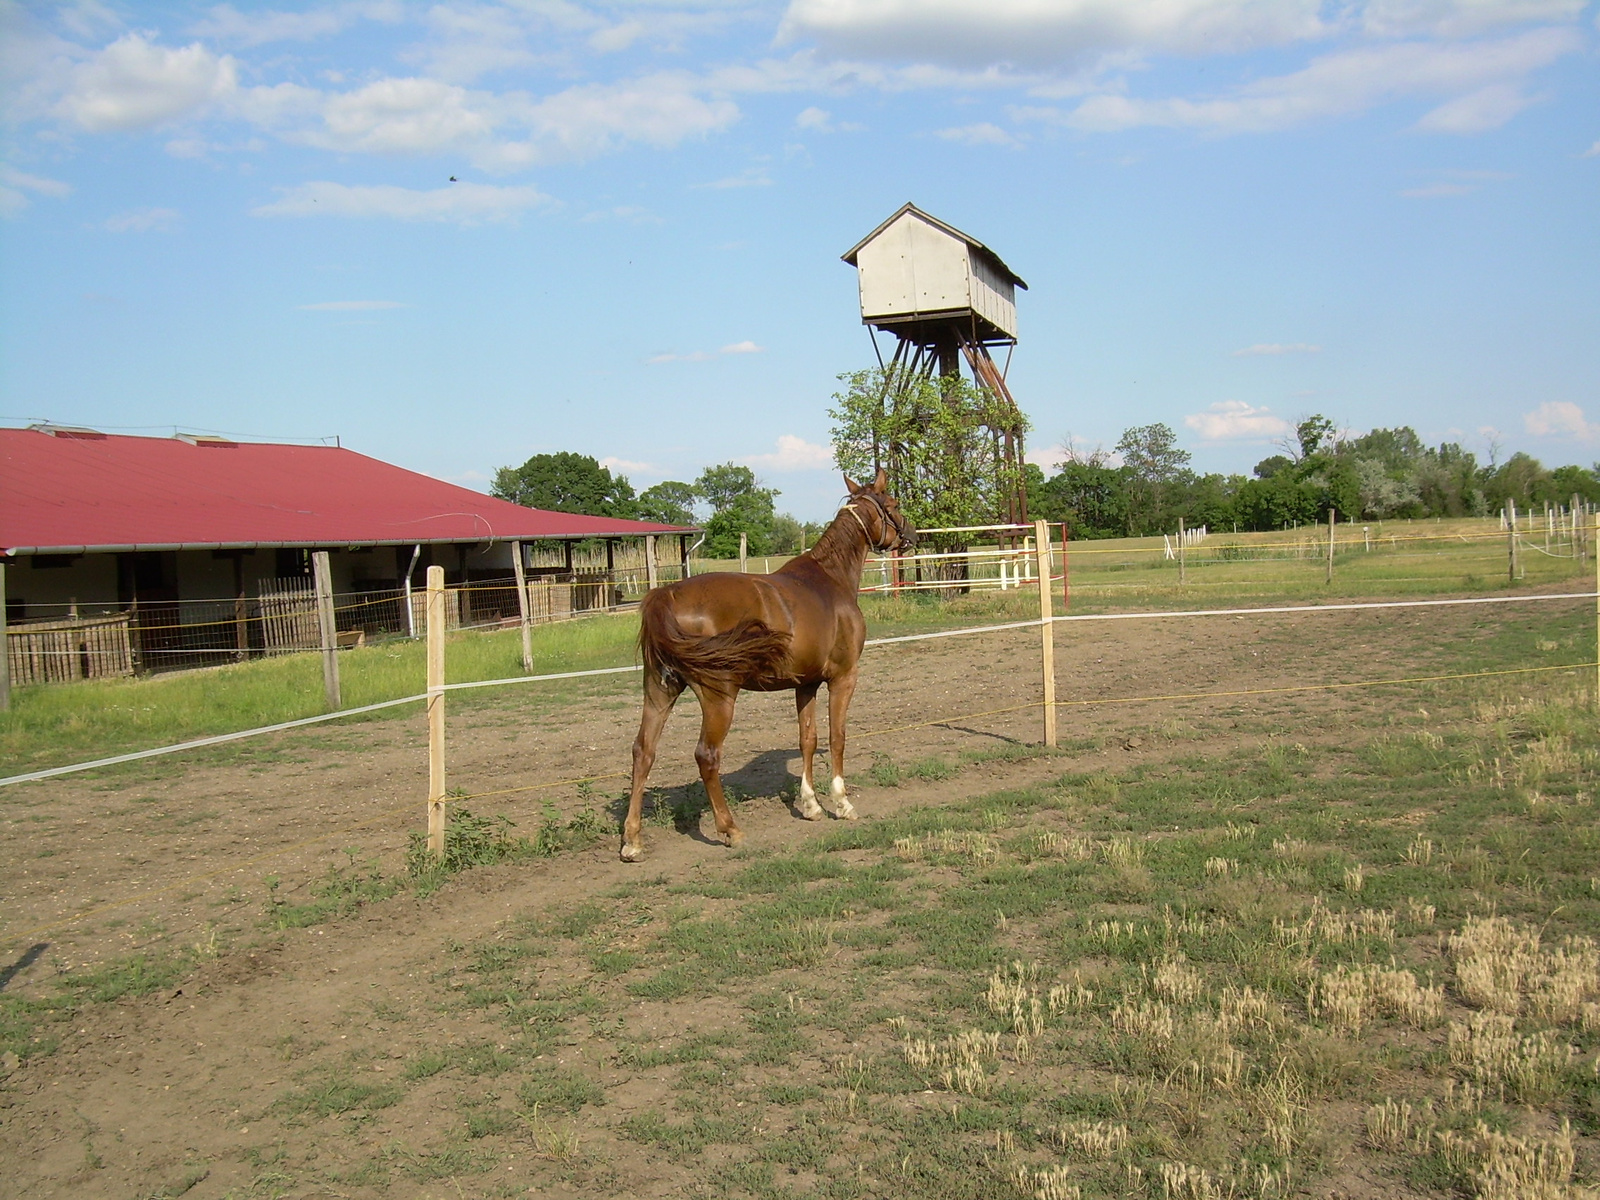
1272, 958
52, 725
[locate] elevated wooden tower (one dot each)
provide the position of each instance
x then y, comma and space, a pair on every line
945, 296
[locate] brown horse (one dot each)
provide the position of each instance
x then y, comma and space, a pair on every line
799, 627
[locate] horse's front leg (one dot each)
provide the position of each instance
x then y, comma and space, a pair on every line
716, 716
805, 704
659, 697
839, 692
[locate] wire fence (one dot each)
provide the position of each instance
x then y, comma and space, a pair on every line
233, 866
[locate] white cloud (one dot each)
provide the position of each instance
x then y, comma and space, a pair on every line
692, 356
981, 134
402, 116
16, 188
225, 23
819, 119
135, 84
1267, 348
793, 454
1340, 84
462, 203
1045, 31
143, 220
1487, 108
1234, 420
1460, 18
612, 463
352, 305
1593, 151
1560, 418
745, 347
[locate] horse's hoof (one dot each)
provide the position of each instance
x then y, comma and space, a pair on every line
733, 838
845, 811
808, 808
632, 853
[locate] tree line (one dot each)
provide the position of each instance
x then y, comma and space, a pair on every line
724, 500
1382, 475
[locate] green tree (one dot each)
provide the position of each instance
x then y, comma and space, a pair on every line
1155, 467
935, 438
739, 504
566, 482
669, 502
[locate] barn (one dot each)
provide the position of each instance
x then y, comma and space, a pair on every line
150, 553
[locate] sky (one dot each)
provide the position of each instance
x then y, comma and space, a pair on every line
455, 234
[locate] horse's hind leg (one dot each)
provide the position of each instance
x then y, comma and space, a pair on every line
805, 703
716, 716
659, 697
839, 692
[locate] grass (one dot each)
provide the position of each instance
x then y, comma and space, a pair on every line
1241, 971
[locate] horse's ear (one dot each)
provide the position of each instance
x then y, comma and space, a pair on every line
881, 483
855, 488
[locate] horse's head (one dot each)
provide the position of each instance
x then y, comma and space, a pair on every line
893, 531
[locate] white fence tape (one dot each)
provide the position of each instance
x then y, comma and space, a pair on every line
200, 743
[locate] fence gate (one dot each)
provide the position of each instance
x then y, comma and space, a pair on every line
288, 615
74, 648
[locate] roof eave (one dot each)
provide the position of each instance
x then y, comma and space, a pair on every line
148, 547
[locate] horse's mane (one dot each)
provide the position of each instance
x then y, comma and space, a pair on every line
837, 544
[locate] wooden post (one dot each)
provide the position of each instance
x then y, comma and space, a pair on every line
522, 606
744, 552
1066, 574
322, 578
435, 623
1182, 578
1580, 546
1596, 618
1047, 642
1511, 541
1332, 517
5, 646
650, 560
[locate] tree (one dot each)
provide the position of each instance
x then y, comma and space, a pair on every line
739, 504
935, 438
669, 502
565, 482
1154, 464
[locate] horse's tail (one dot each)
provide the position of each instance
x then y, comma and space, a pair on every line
749, 650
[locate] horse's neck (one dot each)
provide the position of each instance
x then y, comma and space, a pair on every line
842, 550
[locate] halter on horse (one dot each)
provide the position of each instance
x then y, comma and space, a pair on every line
799, 627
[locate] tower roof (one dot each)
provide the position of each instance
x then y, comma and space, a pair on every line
994, 259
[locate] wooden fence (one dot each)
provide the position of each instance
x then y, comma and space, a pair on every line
74, 648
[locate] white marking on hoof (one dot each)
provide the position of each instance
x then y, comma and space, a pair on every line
842, 808
807, 805
632, 852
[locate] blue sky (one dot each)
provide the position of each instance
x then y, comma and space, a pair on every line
1230, 213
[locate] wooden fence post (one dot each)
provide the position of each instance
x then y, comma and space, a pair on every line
5, 646
744, 552
522, 606
650, 573
1332, 515
436, 625
1182, 560
322, 577
1596, 618
1066, 573
1047, 643
1511, 540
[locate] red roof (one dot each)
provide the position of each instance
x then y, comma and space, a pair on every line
72, 491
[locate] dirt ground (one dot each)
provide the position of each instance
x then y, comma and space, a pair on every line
178, 851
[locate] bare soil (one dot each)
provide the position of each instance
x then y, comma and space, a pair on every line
176, 1090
